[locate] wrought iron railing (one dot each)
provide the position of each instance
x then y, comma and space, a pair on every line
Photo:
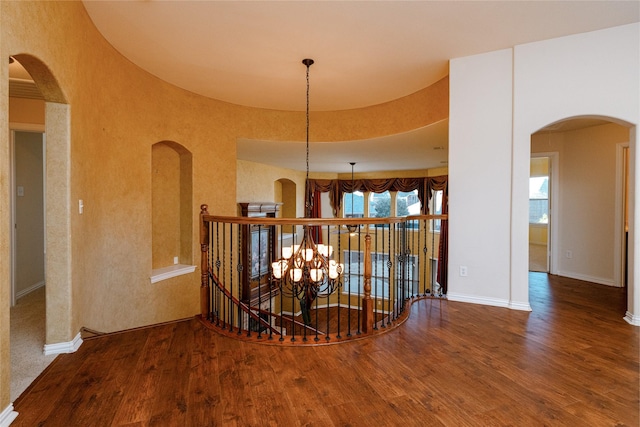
379, 266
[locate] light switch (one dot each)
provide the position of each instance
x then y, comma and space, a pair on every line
80, 206
20, 191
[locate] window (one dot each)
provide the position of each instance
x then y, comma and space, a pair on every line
539, 200
435, 208
407, 203
380, 205
353, 205
354, 273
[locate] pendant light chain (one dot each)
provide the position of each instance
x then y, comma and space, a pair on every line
307, 270
308, 203
308, 121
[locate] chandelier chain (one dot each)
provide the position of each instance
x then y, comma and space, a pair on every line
308, 121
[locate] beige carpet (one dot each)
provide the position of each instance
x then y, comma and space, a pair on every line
538, 258
27, 341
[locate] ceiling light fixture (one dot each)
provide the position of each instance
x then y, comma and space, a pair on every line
307, 271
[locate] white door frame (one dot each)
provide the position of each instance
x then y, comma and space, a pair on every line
619, 260
554, 198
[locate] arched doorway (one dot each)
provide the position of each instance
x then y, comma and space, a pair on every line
57, 212
591, 204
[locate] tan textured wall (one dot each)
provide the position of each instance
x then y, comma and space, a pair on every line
256, 183
5, 221
99, 261
277, 191
29, 111
289, 198
58, 269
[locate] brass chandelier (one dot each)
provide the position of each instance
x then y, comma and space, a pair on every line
306, 270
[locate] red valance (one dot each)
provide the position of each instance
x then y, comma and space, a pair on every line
337, 187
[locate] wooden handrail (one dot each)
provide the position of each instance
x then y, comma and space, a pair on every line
316, 221
245, 307
367, 316
250, 310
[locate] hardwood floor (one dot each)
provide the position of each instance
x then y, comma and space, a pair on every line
573, 361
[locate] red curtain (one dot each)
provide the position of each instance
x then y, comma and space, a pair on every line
316, 212
443, 250
441, 183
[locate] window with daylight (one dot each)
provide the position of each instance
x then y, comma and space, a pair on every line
354, 273
435, 208
407, 203
539, 200
353, 205
380, 205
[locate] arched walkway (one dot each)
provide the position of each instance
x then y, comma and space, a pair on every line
58, 277
588, 236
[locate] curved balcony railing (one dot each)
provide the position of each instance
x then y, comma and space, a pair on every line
355, 279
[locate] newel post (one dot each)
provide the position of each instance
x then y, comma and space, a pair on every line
367, 302
204, 263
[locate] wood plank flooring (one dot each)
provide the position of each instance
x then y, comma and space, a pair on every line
573, 361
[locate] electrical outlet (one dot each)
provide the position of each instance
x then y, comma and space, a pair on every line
175, 259
463, 271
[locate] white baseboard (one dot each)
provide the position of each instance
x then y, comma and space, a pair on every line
587, 278
29, 290
495, 302
632, 319
63, 347
522, 306
7, 416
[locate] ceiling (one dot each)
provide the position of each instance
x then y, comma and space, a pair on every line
365, 52
424, 148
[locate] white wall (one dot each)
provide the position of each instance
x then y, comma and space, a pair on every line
590, 74
29, 212
480, 177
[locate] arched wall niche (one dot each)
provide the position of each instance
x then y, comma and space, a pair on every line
172, 190
286, 189
288, 198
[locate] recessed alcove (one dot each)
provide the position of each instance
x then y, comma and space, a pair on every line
285, 193
172, 223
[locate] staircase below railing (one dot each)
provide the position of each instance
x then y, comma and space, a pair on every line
388, 263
